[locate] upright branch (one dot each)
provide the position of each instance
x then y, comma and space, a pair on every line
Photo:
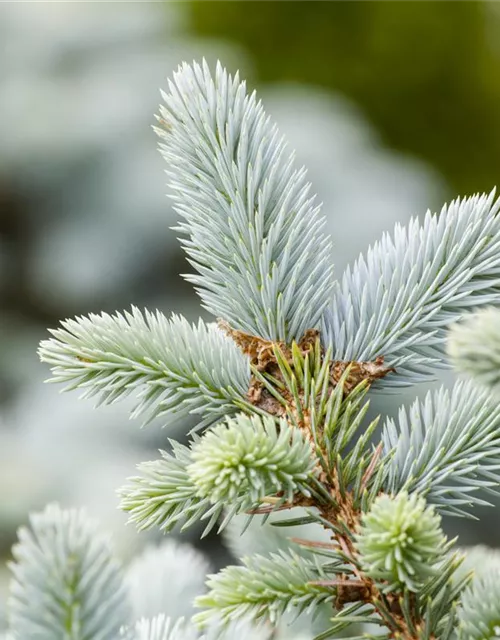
279, 386
380, 557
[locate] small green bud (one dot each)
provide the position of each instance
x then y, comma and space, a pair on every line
400, 541
247, 458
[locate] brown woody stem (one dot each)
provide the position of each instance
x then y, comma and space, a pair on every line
271, 395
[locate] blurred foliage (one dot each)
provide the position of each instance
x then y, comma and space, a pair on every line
426, 73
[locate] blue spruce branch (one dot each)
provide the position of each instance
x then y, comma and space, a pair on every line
279, 388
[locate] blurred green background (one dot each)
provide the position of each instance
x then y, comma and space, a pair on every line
426, 74
393, 106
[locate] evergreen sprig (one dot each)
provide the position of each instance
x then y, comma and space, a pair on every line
299, 357
446, 448
248, 458
253, 231
235, 465
174, 367
265, 587
398, 300
165, 496
66, 584
479, 611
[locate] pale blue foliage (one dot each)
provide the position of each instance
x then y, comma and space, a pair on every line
165, 496
163, 628
478, 559
166, 579
479, 611
160, 628
446, 448
255, 537
399, 299
174, 367
253, 231
66, 584
474, 347
256, 239
234, 465
265, 587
